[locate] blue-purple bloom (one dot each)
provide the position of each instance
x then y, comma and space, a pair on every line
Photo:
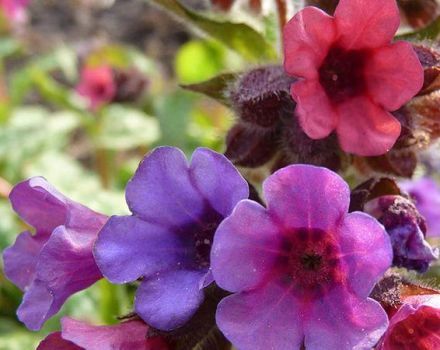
407, 229
302, 268
166, 243
426, 194
57, 261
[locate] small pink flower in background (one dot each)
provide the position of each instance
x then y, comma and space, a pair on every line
76, 335
352, 75
14, 10
426, 195
302, 269
415, 326
97, 85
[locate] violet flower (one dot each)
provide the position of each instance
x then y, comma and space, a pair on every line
350, 78
76, 335
426, 194
57, 261
406, 228
166, 243
302, 269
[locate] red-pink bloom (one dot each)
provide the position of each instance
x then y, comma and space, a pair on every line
352, 74
14, 10
415, 326
76, 335
97, 85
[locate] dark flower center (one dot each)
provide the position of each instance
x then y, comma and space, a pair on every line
201, 235
310, 262
341, 74
418, 331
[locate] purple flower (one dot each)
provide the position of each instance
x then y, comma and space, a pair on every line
406, 228
76, 335
302, 268
176, 209
426, 194
57, 261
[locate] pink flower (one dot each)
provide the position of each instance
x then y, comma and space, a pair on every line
352, 75
14, 10
416, 325
302, 269
97, 85
76, 335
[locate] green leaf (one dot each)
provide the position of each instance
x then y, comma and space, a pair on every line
237, 36
125, 128
430, 32
215, 87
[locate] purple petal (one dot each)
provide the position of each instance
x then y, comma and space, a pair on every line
131, 335
54, 341
246, 246
366, 250
169, 299
307, 196
65, 266
218, 180
342, 321
267, 318
162, 190
39, 204
21, 259
128, 248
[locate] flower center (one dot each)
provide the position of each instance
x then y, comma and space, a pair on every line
310, 262
341, 74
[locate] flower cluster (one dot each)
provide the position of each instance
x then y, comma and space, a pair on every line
306, 266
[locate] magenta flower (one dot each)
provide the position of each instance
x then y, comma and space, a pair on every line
176, 209
352, 75
426, 194
416, 325
302, 268
14, 10
97, 85
76, 335
57, 261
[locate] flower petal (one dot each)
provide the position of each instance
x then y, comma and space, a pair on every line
54, 341
245, 248
125, 335
156, 300
317, 116
392, 84
21, 259
267, 318
128, 248
342, 321
366, 250
301, 196
217, 180
161, 191
365, 128
307, 38
366, 24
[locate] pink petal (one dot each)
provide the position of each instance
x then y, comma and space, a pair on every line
342, 321
54, 341
263, 319
365, 128
360, 235
307, 38
363, 24
307, 196
394, 75
245, 248
316, 115
131, 335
